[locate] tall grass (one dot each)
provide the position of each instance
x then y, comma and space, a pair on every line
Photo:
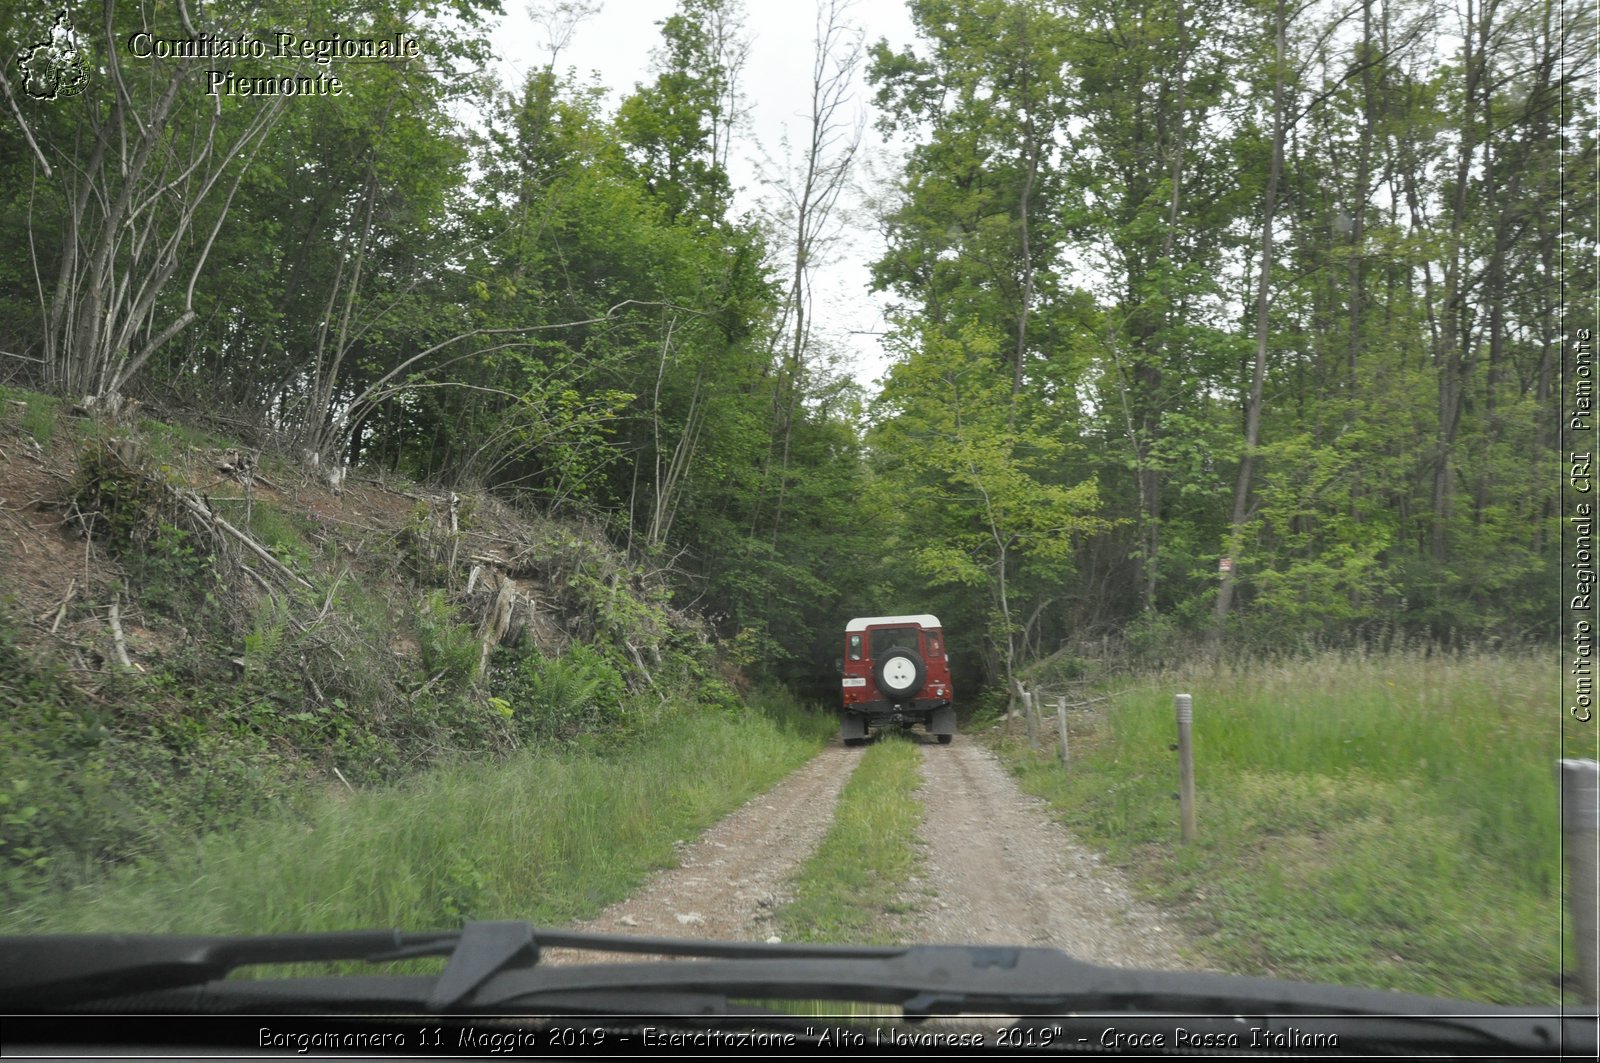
546, 838
36, 414
1389, 821
853, 886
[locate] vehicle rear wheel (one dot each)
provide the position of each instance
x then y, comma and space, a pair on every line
855, 741
944, 740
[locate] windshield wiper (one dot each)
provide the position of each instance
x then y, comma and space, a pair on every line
494, 968
50, 971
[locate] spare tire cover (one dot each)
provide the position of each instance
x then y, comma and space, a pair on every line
899, 674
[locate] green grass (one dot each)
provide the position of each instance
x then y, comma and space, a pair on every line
170, 443
282, 533
852, 889
1390, 822
36, 415
545, 838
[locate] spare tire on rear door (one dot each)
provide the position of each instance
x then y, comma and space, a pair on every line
899, 674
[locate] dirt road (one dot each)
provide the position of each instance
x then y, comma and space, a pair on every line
1001, 871
997, 869
730, 881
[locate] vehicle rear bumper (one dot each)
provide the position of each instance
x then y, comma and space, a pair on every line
936, 712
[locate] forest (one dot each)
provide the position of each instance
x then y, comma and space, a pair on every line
1227, 325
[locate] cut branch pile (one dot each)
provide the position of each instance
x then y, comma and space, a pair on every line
115, 497
202, 513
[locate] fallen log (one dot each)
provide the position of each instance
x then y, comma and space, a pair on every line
118, 640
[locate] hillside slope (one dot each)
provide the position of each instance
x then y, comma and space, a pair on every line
191, 629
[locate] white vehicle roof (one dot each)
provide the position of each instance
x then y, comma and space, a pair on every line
861, 623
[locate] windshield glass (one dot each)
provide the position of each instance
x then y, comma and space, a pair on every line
886, 639
441, 445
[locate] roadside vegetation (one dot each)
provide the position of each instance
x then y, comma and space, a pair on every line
855, 885
544, 836
451, 425
1389, 821
187, 651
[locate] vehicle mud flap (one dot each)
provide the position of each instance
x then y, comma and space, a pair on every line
853, 726
943, 721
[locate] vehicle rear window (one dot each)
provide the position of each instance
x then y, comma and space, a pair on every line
892, 638
934, 649
855, 647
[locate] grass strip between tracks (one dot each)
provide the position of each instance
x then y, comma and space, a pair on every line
852, 889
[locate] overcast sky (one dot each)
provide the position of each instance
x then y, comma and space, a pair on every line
615, 45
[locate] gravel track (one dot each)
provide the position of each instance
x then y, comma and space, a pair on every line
998, 870
729, 882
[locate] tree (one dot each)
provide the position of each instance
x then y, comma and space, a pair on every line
979, 222
1263, 312
971, 476
1156, 197
809, 199
679, 129
146, 170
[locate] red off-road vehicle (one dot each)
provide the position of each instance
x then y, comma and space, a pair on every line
896, 672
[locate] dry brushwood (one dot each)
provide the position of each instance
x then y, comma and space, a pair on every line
61, 612
209, 519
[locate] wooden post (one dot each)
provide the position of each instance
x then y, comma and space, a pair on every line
1061, 725
1185, 707
1580, 822
1033, 727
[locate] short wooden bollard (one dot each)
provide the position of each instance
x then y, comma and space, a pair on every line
1185, 707
1061, 725
1033, 719
1580, 823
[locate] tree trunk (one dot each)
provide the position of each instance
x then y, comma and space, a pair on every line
1252, 429
1453, 355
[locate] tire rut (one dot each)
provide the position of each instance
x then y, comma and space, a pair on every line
1000, 870
730, 881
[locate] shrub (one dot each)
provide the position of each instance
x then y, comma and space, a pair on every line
556, 698
449, 650
132, 509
